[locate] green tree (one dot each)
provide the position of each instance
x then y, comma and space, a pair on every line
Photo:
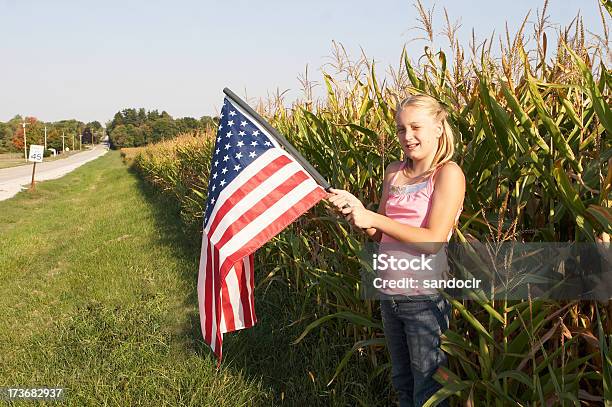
163, 128
186, 124
119, 137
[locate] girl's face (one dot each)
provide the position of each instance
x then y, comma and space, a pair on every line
418, 132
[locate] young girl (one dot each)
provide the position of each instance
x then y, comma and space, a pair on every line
421, 201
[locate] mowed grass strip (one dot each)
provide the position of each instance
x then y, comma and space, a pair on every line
98, 296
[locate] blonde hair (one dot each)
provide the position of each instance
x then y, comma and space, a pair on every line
446, 143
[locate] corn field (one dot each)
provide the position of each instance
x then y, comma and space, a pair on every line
532, 130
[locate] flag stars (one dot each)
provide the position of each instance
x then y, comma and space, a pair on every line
237, 145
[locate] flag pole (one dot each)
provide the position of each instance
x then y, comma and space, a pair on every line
280, 139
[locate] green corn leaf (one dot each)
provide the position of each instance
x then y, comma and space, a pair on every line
602, 216
516, 375
572, 200
602, 108
416, 82
525, 121
472, 320
356, 319
558, 140
347, 356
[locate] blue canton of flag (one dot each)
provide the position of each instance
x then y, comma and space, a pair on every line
238, 143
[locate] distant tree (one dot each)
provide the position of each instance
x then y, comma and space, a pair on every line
34, 133
142, 116
147, 127
153, 115
117, 120
17, 140
6, 135
163, 128
95, 125
91, 129
207, 121
186, 124
87, 135
54, 138
130, 116
138, 135
119, 137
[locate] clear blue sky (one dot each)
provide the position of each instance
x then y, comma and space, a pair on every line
88, 59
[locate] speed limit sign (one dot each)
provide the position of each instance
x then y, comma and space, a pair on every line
36, 153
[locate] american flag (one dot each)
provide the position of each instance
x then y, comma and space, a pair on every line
255, 190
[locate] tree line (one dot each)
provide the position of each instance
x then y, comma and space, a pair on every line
138, 127
11, 133
128, 128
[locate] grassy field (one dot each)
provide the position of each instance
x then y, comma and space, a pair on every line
15, 159
98, 296
11, 160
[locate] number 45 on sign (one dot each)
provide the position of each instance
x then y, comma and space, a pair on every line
36, 156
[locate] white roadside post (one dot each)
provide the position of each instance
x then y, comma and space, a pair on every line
36, 156
25, 143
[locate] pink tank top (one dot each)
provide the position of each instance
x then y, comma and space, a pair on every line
410, 204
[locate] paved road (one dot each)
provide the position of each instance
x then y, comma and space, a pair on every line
13, 179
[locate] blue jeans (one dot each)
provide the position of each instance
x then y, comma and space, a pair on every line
412, 329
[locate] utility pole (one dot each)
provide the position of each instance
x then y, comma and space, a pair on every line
63, 142
80, 141
45, 137
73, 142
25, 148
